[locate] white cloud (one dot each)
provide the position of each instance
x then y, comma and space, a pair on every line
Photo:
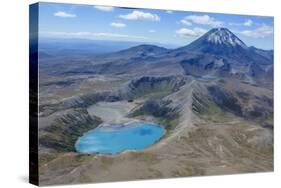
64, 14
118, 24
185, 22
169, 12
91, 35
116, 35
259, 32
105, 8
203, 20
234, 24
139, 15
152, 31
195, 32
248, 23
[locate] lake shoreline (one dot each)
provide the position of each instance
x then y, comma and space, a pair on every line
116, 139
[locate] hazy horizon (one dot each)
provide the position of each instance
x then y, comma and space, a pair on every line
148, 26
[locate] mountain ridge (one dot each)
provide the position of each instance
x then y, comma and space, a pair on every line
223, 43
218, 53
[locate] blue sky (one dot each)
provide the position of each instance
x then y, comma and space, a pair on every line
175, 28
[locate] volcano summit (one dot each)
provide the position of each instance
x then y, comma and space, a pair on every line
212, 100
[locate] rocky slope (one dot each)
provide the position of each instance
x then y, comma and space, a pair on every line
218, 52
214, 97
211, 129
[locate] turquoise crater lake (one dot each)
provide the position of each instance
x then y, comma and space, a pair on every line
113, 139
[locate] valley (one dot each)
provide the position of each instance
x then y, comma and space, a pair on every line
213, 97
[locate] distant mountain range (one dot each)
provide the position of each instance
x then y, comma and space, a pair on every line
219, 52
214, 97
66, 46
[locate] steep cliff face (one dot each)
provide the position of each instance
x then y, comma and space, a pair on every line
206, 65
213, 127
65, 129
214, 97
240, 99
144, 86
137, 88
